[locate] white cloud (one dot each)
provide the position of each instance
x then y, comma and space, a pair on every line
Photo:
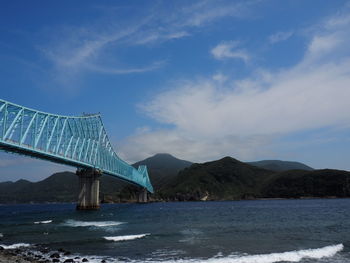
280, 36
151, 67
206, 11
148, 143
74, 50
228, 49
213, 118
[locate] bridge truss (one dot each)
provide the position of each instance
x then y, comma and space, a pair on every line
81, 142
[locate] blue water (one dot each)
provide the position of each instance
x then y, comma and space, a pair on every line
237, 231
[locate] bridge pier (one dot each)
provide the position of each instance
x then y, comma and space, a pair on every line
89, 187
142, 196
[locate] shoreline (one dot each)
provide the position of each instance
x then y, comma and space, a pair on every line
184, 201
38, 254
17, 255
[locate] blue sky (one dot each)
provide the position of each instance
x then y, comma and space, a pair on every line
198, 79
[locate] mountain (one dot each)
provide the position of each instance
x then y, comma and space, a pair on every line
64, 187
162, 168
178, 180
230, 179
224, 179
317, 183
59, 187
277, 165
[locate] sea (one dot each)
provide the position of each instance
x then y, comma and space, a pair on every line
256, 231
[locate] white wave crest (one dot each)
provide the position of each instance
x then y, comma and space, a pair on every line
75, 223
1, 235
43, 222
290, 256
124, 238
14, 246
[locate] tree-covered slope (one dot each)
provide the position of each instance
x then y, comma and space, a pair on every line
225, 179
162, 168
317, 183
277, 165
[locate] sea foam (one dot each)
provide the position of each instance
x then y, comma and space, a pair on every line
43, 222
124, 238
290, 256
75, 223
14, 246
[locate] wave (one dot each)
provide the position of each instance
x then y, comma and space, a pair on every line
43, 222
75, 223
1, 235
124, 238
290, 256
14, 246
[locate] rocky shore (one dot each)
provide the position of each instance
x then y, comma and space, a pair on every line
37, 254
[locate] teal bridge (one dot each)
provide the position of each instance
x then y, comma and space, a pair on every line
81, 142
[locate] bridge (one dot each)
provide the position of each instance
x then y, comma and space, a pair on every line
81, 142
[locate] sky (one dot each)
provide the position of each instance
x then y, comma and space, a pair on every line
200, 80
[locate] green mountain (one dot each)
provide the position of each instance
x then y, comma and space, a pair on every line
64, 187
162, 168
178, 180
225, 179
317, 183
59, 187
229, 179
277, 165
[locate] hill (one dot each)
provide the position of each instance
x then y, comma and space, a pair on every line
179, 180
317, 183
230, 179
225, 179
277, 165
162, 168
59, 187
63, 187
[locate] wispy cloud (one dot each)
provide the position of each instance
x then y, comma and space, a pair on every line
203, 12
280, 36
229, 50
75, 50
150, 142
216, 116
151, 67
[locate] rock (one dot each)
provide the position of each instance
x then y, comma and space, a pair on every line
69, 260
103, 261
1, 248
55, 255
67, 253
55, 260
61, 250
84, 260
44, 250
77, 258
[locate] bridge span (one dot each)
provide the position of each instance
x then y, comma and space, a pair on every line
80, 142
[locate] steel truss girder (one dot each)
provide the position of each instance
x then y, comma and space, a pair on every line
76, 141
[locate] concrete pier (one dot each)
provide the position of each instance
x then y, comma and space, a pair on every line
142, 196
89, 187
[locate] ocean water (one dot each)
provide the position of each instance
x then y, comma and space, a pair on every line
261, 231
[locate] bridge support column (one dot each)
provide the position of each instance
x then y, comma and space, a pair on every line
89, 187
142, 196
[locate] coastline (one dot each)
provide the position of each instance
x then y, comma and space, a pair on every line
37, 254
184, 201
15, 255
